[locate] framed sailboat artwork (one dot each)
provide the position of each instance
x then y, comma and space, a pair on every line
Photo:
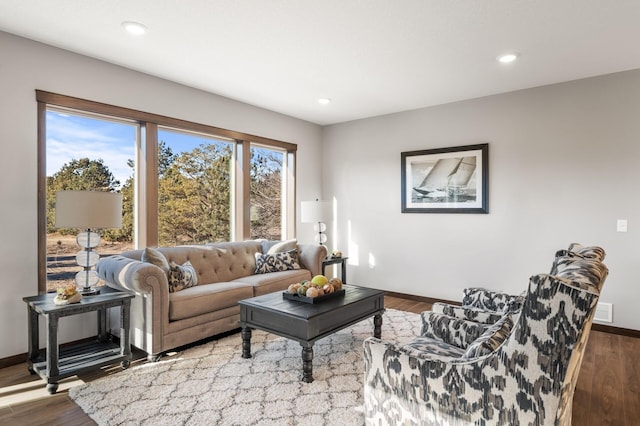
446, 180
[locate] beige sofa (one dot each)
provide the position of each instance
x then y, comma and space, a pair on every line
161, 320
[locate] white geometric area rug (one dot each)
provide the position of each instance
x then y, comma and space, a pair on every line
212, 384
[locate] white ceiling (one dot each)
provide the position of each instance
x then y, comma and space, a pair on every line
371, 57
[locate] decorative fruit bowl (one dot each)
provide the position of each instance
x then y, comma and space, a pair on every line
67, 295
319, 289
312, 300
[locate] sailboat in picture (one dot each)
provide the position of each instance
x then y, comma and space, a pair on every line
449, 180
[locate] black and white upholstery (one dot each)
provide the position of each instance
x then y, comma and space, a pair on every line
521, 369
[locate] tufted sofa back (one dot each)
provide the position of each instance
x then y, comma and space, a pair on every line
216, 262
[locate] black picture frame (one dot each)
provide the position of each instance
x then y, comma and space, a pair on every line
446, 180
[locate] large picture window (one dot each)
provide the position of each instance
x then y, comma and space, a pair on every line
182, 182
86, 152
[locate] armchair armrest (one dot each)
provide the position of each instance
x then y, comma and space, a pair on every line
450, 330
311, 257
478, 315
403, 389
395, 388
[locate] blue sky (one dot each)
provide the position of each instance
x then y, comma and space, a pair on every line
71, 137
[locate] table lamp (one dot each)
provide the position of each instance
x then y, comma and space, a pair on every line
316, 212
92, 211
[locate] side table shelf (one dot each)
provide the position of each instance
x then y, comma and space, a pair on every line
59, 363
342, 261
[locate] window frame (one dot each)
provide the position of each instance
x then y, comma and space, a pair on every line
147, 178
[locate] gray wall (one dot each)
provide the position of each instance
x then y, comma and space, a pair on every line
564, 166
26, 66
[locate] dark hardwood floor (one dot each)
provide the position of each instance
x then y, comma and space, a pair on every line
607, 393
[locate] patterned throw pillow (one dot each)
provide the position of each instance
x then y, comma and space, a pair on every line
283, 261
592, 252
182, 276
496, 301
153, 256
588, 273
491, 339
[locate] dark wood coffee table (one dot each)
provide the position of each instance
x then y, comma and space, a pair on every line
307, 323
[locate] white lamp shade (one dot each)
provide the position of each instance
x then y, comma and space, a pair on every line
315, 211
88, 209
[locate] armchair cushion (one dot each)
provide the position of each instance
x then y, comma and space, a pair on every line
450, 330
488, 300
478, 315
491, 339
423, 346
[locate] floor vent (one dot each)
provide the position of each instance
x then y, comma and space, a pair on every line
604, 312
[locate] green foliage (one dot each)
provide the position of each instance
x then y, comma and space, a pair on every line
194, 197
194, 193
266, 194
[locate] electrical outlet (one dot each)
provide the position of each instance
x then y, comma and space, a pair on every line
621, 225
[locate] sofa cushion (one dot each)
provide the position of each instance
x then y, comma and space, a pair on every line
153, 256
181, 276
275, 281
218, 262
491, 339
279, 246
206, 298
277, 262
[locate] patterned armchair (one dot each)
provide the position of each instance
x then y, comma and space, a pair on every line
520, 369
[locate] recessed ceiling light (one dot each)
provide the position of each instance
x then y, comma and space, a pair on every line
134, 28
324, 101
507, 58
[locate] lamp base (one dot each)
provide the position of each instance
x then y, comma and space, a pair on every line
88, 291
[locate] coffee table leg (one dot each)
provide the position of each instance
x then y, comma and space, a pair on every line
307, 362
377, 326
246, 342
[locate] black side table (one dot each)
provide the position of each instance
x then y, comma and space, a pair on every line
86, 355
334, 261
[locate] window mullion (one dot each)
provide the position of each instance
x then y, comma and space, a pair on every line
241, 202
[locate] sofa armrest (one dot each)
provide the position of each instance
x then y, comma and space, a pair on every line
150, 307
311, 257
478, 315
450, 330
133, 275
